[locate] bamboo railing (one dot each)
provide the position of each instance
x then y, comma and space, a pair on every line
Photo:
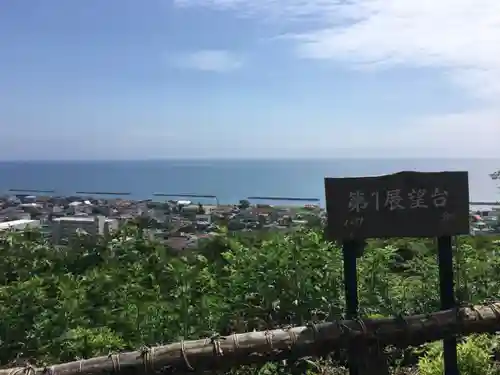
296, 342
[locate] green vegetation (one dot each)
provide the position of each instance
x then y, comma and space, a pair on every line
58, 304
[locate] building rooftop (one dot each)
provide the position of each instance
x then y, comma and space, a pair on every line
81, 219
13, 223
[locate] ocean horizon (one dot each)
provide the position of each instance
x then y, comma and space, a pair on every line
228, 179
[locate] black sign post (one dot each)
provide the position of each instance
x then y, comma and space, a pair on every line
350, 250
447, 296
404, 204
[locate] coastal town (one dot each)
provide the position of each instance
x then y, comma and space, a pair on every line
179, 224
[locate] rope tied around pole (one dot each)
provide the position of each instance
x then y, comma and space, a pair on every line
314, 330
343, 328
184, 356
389, 331
406, 327
494, 309
115, 360
50, 370
269, 339
236, 342
148, 357
215, 341
362, 325
28, 369
293, 337
364, 332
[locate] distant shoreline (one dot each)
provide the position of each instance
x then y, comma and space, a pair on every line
126, 196
238, 160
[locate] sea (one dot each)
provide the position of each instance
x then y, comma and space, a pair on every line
228, 180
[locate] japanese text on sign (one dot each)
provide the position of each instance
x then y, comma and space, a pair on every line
405, 204
395, 199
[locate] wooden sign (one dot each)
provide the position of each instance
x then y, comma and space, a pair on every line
404, 204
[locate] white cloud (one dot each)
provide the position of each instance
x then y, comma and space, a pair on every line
209, 60
459, 37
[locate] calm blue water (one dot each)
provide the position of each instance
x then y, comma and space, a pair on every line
229, 180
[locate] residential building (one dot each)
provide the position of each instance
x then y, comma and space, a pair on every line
65, 227
204, 218
19, 224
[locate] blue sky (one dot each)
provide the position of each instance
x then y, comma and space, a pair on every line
124, 79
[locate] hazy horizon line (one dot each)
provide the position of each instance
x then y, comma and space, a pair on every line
191, 159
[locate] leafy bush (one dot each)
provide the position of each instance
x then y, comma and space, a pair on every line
59, 303
474, 357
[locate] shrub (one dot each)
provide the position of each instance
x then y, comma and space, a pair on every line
59, 303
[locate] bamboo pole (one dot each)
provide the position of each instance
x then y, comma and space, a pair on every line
256, 347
